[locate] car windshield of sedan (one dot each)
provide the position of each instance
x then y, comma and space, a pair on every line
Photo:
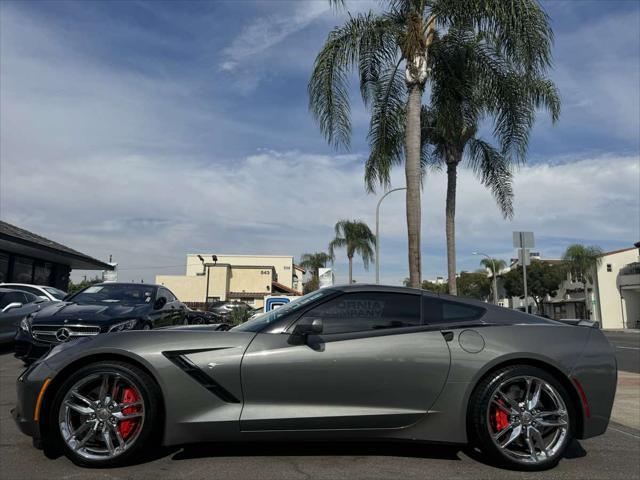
117, 294
261, 321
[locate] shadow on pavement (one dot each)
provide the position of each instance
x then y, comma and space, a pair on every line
394, 449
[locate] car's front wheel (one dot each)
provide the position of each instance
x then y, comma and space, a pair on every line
105, 414
522, 418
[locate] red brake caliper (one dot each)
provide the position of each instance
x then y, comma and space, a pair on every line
500, 418
127, 427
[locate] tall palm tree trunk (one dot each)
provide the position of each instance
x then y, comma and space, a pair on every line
413, 176
451, 226
350, 270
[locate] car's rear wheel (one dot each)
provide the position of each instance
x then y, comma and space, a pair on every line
105, 414
522, 418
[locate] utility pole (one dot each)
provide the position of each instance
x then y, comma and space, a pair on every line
378, 231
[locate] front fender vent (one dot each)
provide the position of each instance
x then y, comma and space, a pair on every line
180, 359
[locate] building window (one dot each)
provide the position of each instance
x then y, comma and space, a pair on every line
609, 269
4, 267
23, 270
42, 273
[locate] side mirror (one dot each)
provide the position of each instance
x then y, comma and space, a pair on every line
160, 302
305, 328
11, 306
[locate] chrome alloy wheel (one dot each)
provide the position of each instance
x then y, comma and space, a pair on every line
528, 419
101, 416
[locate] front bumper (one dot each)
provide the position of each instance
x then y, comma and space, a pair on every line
28, 386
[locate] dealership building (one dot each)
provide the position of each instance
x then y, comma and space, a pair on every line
248, 278
26, 257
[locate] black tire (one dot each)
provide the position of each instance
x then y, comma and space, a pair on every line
480, 430
151, 427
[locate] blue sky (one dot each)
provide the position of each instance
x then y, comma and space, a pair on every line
149, 130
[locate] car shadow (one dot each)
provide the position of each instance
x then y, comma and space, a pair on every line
258, 449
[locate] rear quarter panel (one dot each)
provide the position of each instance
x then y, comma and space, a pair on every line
557, 345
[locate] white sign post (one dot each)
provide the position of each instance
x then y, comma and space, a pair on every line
325, 277
523, 241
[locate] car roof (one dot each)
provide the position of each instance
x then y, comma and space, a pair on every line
365, 287
22, 285
128, 284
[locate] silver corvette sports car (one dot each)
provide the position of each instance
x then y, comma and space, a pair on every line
355, 362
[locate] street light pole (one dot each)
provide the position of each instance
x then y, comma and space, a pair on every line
495, 276
378, 231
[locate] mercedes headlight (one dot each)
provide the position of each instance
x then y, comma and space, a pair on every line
119, 327
25, 324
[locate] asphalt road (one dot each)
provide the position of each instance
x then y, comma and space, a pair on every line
627, 345
615, 455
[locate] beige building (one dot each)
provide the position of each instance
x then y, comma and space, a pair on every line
617, 289
247, 278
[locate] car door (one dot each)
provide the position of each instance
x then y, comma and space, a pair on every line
165, 315
176, 307
375, 365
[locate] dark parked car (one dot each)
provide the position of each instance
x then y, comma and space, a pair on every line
201, 317
353, 362
224, 309
14, 306
100, 308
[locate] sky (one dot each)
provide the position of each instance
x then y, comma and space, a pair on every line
147, 130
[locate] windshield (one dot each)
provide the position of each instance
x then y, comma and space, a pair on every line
117, 294
54, 292
261, 321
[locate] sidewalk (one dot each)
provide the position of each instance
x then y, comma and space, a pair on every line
626, 407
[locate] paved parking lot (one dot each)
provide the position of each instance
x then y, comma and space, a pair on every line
627, 346
615, 455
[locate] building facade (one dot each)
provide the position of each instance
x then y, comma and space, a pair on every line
26, 257
247, 278
617, 288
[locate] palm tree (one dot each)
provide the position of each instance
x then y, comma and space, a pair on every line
489, 264
581, 262
357, 238
390, 51
314, 261
472, 84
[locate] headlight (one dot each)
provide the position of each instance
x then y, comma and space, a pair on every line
25, 324
119, 327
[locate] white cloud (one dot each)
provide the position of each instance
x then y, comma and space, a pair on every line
103, 160
267, 31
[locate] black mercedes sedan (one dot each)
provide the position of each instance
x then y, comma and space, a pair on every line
100, 308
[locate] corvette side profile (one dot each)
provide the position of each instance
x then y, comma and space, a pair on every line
342, 363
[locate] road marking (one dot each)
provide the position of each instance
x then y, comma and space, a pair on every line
622, 431
629, 348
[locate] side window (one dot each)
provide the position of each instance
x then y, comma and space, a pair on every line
12, 297
431, 310
32, 290
170, 296
29, 297
457, 312
367, 311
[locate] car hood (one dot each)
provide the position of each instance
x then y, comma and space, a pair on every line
65, 312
